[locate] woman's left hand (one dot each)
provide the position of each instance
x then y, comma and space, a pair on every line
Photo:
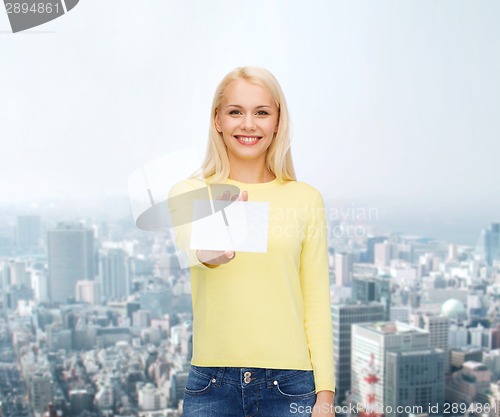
325, 404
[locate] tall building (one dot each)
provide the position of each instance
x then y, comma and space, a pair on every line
88, 291
80, 400
114, 274
400, 313
489, 243
371, 241
70, 258
384, 252
452, 252
151, 398
343, 269
29, 231
19, 275
343, 317
59, 338
393, 364
41, 390
437, 326
368, 289
413, 379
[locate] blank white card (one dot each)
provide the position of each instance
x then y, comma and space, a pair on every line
246, 230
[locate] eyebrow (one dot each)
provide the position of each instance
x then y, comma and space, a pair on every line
240, 107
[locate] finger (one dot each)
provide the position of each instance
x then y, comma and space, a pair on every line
243, 196
234, 197
229, 254
226, 195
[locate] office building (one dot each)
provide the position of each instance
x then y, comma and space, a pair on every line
438, 327
343, 317
41, 390
401, 313
70, 258
488, 245
88, 291
413, 380
343, 269
384, 253
28, 231
371, 241
393, 363
114, 274
368, 289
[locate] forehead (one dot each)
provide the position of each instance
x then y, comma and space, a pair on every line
242, 92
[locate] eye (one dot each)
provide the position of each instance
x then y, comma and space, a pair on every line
234, 112
262, 113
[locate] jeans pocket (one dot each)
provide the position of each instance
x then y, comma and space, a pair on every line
300, 384
198, 382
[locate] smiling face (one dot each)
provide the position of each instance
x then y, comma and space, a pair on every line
247, 118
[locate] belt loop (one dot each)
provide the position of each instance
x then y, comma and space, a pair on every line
269, 378
220, 375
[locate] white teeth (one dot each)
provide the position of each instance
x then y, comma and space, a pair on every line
252, 139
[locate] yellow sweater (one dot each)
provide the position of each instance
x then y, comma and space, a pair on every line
268, 310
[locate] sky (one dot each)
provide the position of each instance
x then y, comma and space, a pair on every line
390, 101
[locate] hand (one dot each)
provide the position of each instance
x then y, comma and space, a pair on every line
325, 404
213, 258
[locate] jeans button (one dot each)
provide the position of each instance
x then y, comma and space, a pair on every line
247, 377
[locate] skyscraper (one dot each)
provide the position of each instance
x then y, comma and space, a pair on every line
29, 231
88, 291
394, 365
71, 258
114, 274
489, 243
343, 317
343, 269
371, 241
41, 390
368, 289
413, 380
437, 326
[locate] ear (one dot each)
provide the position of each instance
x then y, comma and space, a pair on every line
217, 122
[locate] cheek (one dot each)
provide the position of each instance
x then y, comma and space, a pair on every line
273, 126
226, 125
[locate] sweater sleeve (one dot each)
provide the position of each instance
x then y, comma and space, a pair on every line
315, 285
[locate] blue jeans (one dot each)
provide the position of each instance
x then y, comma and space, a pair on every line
248, 392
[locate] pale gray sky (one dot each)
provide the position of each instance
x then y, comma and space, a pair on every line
388, 98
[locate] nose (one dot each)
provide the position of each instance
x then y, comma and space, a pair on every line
248, 123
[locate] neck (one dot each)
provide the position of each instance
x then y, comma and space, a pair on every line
250, 171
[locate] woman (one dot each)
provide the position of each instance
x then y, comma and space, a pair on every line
262, 331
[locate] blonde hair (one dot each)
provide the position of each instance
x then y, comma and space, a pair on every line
278, 157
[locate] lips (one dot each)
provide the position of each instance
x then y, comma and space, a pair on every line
247, 140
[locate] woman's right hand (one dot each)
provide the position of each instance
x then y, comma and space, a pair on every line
214, 258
